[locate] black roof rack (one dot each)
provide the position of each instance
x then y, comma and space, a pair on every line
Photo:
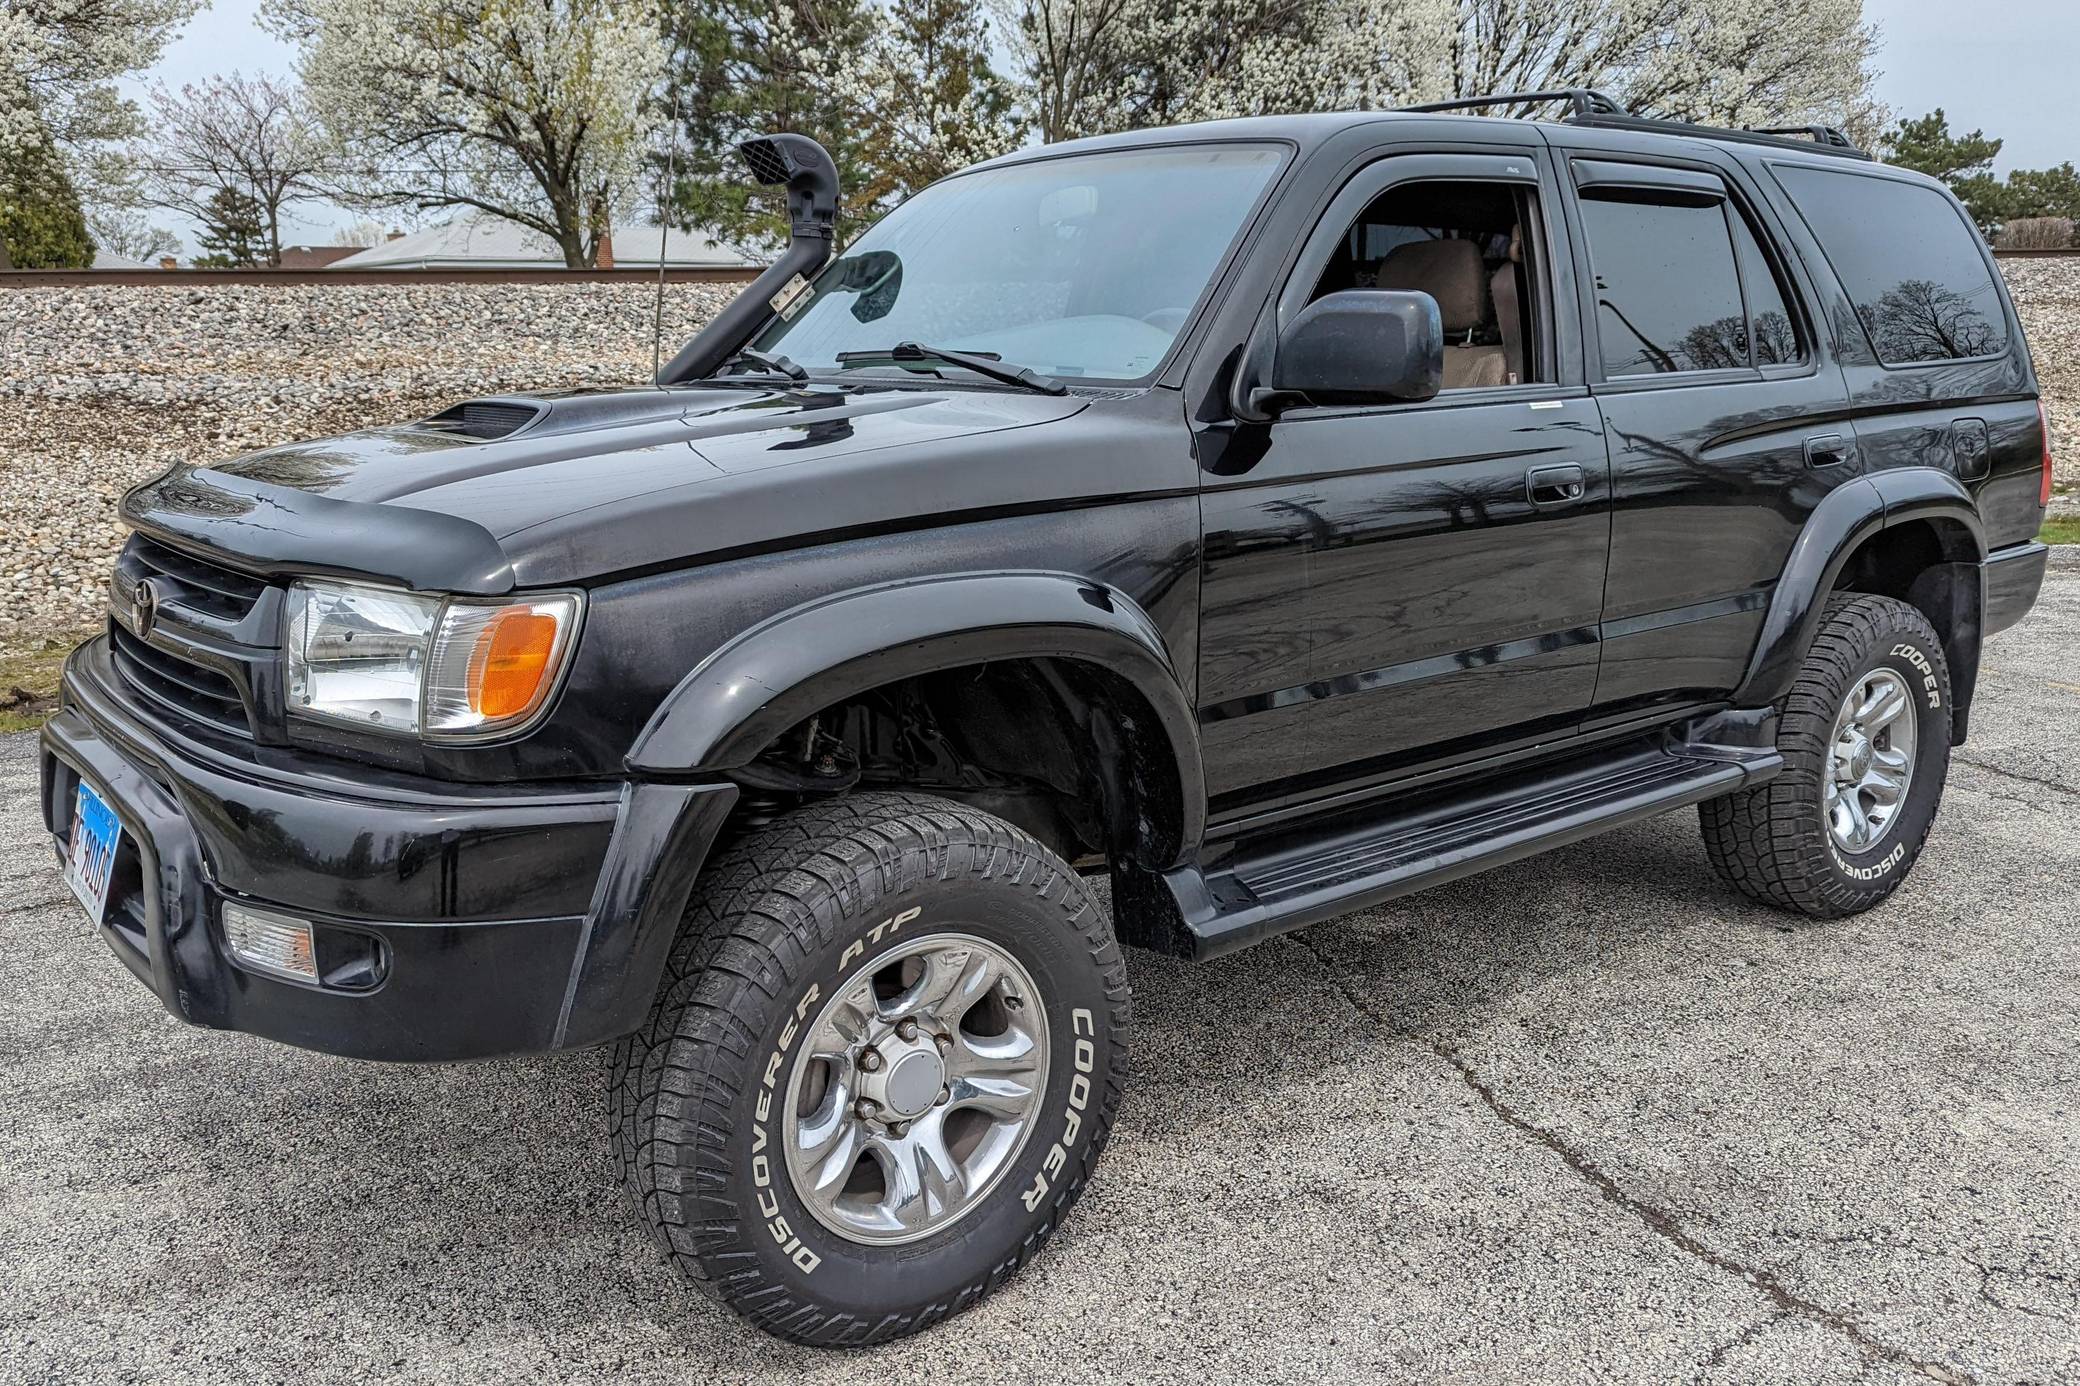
1593, 108
1581, 102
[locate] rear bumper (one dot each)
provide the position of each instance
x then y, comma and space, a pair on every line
2013, 576
502, 919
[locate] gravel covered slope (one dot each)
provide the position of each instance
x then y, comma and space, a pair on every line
102, 387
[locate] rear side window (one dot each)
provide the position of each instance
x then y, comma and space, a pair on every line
1775, 333
1668, 296
1909, 261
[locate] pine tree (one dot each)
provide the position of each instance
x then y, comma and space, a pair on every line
234, 231
754, 67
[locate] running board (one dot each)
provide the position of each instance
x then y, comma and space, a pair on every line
1297, 877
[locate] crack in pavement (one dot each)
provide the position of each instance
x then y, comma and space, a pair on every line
1659, 1221
2039, 781
1742, 1339
1986, 1274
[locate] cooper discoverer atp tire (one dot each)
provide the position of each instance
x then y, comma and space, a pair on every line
1865, 734
887, 1052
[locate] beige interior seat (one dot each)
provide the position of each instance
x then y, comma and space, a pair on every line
1509, 311
1453, 273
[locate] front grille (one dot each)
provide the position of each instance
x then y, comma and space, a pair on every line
185, 689
187, 581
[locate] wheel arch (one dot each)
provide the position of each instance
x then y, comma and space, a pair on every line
1103, 658
1912, 533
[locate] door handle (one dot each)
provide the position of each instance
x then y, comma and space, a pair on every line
1826, 450
1554, 485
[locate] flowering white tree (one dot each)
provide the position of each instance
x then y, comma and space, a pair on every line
1093, 65
1723, 62
536, 111
251, 136
59, 60
925, 98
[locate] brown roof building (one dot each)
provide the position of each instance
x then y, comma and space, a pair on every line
311, 257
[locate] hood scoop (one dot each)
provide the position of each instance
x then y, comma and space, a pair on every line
484, 419
504, 416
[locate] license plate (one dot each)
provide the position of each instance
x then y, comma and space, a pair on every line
91, 858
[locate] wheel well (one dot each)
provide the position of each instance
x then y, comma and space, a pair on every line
1933, 566
1065, 749
1891, 560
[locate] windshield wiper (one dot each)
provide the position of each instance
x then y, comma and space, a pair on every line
768, 362
986, 363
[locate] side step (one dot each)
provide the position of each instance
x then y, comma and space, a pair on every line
1317, 871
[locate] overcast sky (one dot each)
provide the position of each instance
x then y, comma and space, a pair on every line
2007, 68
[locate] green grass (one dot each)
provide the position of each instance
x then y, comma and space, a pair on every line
2064, 529
29, 672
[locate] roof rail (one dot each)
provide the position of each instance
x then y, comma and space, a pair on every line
1581, 102
1828, 135
1592, 108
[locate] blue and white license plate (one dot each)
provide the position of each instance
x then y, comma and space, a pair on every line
91, 858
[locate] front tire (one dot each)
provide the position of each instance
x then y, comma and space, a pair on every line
888, 1050
1865, 735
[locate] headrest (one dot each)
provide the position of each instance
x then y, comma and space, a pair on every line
1449, 271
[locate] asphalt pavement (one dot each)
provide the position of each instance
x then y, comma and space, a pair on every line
1588, 1117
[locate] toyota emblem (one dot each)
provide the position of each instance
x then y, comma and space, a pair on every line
144, 607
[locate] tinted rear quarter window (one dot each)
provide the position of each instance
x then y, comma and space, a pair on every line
1910, 261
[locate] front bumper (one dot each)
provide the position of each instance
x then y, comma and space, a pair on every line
500, 919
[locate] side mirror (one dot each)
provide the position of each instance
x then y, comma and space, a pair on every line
1362, 346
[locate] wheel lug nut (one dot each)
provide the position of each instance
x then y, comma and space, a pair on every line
907, 1030
899, 1129
943, 1041
945, 1096
871, 1061
866, 1109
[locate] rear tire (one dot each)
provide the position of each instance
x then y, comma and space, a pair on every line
1830, 835
888, 1049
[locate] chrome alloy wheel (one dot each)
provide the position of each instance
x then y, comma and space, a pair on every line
916, 1088
1870, 762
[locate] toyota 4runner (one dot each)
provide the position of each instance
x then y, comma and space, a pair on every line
1274, 516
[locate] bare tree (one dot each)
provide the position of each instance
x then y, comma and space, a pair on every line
249, 136
130, 235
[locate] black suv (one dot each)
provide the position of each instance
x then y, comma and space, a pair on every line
1274, 516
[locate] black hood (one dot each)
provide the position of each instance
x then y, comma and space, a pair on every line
539, 490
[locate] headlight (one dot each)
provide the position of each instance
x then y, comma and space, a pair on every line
443, 668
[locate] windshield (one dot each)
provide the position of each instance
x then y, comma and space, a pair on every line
1083, 267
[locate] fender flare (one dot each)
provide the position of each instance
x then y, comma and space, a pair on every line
787, 667
1846, 518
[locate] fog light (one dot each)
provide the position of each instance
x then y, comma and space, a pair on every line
271, 943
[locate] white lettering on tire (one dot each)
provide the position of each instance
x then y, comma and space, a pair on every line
1081, 1023
1929, 687
1874, 871
805, 1259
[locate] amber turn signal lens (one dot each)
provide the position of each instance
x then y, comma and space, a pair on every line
511, 661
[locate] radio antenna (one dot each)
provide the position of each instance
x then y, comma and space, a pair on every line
664, 208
